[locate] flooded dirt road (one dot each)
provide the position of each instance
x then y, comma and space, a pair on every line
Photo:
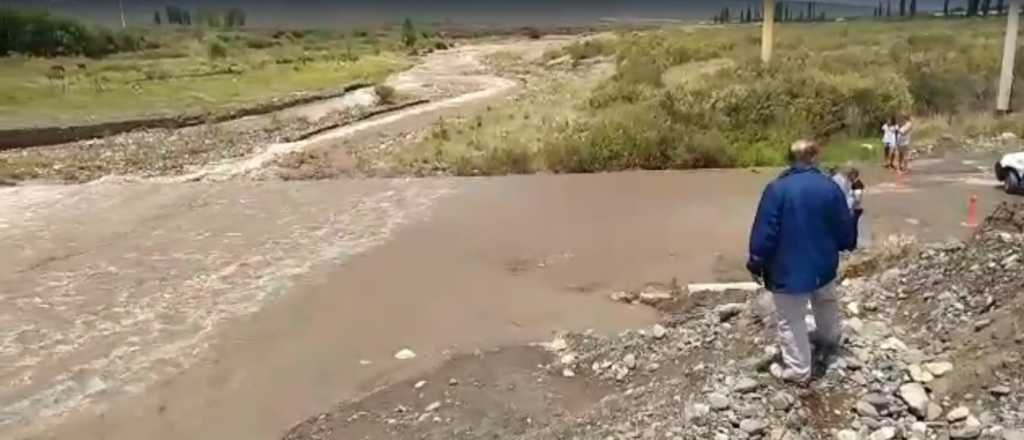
237, 309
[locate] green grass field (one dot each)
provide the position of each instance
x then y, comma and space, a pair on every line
192, 71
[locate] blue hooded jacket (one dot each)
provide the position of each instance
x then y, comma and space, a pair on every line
802, 224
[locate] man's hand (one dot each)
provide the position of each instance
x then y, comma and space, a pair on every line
756, 268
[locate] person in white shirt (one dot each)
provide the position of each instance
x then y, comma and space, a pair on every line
903, 143
890, 132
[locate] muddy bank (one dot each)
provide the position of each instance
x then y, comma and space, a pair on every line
37, 136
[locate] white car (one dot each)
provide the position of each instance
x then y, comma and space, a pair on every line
1010, 171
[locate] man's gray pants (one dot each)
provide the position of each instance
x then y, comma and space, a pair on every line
791, 311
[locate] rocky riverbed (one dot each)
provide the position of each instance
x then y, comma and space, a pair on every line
931, 350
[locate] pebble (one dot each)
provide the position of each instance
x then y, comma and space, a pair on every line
726, 312
938, 369
886, 433
420, 384
567, 372
432, 407
752, 426
719, 402
918, 374
965, 432
658, 331
934, 411
453, 382
746, 385
405, 354
782, 401
629, 361
847, 434
980, 325
865, 409
958, 414
999, 390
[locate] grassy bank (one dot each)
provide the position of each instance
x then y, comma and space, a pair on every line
191, 71
700, 97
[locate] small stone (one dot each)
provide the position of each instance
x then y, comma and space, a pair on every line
718, 402
726, 312
865, 409
420, 384
405, 354
652, 367
999, 390
938, 369
885, 433
853, 308
776, 371
934, 412
697, 411
855, 324
916, 398
629, 361
558, 344
567, 372
746, 385
654, 297
958, 414
918, 374
879, 401
782, 401
432, 407
453, 382
965, 432
919, 428
847, 434
658, 331
752, 426
980, 325
568, 359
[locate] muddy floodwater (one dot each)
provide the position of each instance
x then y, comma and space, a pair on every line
237, 309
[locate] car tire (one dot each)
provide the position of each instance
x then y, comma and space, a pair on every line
1011, 184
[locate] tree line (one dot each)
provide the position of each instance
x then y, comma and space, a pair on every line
784, 11
175, 15
38, 33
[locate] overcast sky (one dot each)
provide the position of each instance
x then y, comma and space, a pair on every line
320, 13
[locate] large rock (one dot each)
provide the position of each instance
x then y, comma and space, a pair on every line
916, 398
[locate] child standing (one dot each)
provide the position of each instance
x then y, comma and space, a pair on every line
890, 132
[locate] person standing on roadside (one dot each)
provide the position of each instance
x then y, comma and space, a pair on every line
889, 130
903, 143
802, 223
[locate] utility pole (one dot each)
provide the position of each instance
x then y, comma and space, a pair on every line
768, 31
120, 5
1009, 57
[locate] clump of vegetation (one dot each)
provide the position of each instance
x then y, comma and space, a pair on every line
40, 34
216, 50
835, 82
385, 93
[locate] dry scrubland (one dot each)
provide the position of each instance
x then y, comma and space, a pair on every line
699, 97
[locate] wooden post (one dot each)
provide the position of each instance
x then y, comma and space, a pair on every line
1009, 57
768, 31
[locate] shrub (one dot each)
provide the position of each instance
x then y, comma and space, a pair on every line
40, 34
385, 92
216, 50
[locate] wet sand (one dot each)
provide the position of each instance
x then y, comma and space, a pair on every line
481, 263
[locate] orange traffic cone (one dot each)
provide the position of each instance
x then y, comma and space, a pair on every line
972, 213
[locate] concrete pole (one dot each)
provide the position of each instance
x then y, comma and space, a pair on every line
120, 5
1009, 57
768, 31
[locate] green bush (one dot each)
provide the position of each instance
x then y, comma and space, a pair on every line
40, 34
216, 50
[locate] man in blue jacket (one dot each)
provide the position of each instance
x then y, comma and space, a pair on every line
802, 223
